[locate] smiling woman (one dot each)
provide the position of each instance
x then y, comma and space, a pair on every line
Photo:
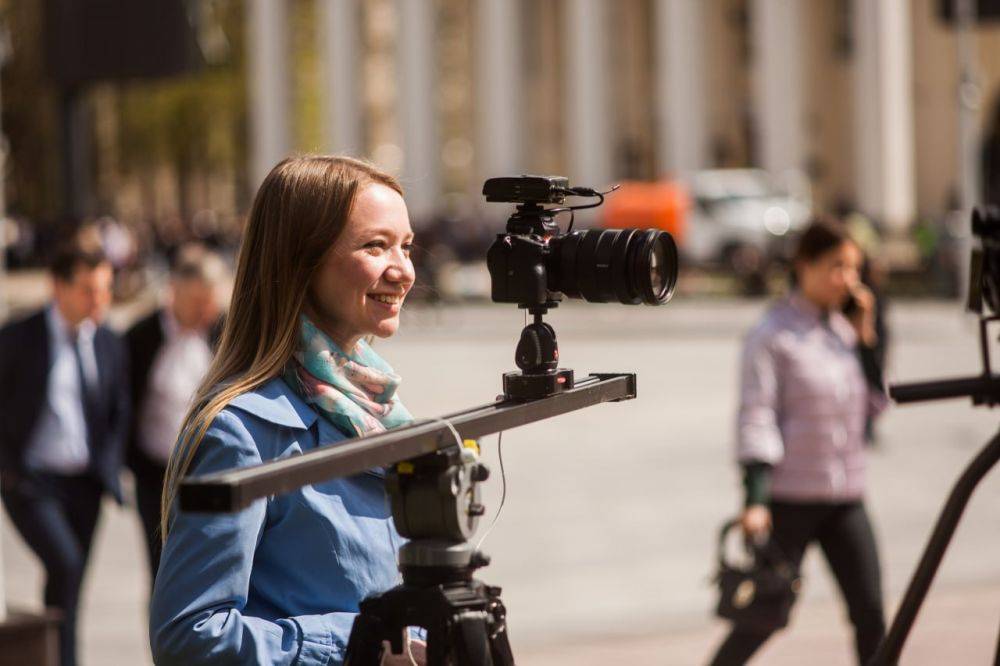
324, 263
360, 287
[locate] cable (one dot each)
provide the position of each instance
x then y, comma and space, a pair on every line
409, 649
441, 419
503, 491
503, 471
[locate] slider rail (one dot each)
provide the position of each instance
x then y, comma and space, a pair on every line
235, 489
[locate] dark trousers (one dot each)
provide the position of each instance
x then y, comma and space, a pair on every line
844, 533
56, 516
148, 488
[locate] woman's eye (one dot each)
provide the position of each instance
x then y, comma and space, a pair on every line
407, 247
375, 247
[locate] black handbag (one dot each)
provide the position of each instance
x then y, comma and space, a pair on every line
759, 596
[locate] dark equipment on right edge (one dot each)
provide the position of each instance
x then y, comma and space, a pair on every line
534, 264
983, 389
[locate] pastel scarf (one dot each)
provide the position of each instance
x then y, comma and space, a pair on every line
355, 391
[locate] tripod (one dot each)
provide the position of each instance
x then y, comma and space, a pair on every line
983, 389
435, 502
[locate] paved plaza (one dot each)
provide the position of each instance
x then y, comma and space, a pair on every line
605, 545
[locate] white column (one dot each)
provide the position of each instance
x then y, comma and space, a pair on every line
267, 56
589, 144
778, 84
341, 27
499, 118
884, 111
415, 106
679, 34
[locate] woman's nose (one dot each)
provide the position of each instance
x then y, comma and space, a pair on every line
401, 268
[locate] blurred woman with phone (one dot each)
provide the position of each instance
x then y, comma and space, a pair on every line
810, 381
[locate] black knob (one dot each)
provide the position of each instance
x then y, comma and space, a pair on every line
529, 350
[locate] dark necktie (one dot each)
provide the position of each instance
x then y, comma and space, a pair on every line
88, 391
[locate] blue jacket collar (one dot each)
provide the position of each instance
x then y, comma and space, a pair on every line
276, 402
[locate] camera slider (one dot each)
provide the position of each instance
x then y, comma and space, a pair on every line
235, 489
434, 497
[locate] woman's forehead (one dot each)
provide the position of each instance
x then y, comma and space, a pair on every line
379, 209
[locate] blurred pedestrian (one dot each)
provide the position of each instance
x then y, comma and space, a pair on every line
809, 381
170, 352
64, 405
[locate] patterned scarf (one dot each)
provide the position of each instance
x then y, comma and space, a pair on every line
355, 391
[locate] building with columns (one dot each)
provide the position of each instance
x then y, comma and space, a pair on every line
862, 97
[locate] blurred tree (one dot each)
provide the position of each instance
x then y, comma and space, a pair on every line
194, 125
29, 120
307, 86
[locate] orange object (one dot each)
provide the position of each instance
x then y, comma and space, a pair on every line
659, 205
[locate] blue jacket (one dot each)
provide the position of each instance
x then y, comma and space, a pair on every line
280, 581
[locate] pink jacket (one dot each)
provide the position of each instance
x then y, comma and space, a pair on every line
804, 402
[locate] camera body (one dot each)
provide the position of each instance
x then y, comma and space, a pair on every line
984, 274
519, 261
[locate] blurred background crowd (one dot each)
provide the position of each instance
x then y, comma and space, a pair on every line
728, 122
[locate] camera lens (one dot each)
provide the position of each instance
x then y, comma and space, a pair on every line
656, 267
630, 266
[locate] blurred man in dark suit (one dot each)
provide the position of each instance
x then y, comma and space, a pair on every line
170, 351
64, 402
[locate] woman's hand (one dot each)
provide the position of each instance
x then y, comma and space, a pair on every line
863, 316
756, 521
414, 652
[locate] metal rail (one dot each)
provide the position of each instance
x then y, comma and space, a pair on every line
235, 489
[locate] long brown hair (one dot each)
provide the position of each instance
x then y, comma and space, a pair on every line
298, 212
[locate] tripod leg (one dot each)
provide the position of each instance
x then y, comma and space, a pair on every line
438, 647
499, 641
892, 645
500, 648
364, 647
996, 658
470, 640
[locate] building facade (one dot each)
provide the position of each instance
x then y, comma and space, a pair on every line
863, 97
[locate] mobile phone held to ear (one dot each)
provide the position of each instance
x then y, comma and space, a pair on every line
850, 306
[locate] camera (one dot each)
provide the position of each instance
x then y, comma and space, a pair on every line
984, 274
534, 263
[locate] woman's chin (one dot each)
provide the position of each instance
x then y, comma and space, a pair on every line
386, 328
